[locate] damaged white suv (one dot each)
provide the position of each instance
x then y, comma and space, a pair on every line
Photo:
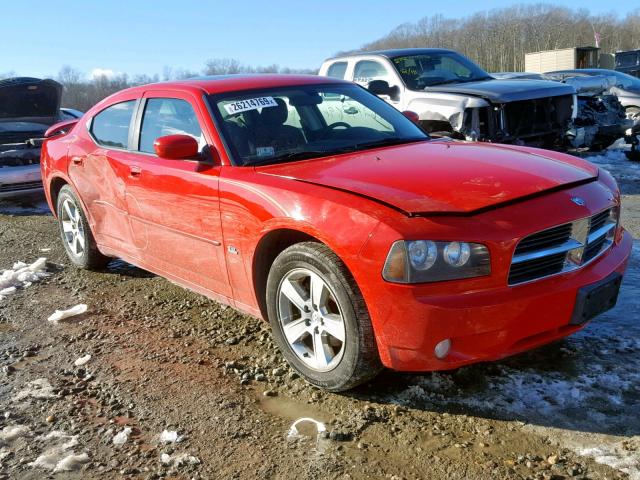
455, 97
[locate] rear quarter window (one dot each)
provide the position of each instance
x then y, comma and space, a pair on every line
110, 127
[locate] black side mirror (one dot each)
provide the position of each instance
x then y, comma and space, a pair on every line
381, 87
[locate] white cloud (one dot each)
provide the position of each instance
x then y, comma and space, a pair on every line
102, 72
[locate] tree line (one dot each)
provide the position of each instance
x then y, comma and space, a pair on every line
82, 93
498, 39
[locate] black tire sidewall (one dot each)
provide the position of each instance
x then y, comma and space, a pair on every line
290, 260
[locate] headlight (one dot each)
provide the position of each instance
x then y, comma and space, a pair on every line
417, 261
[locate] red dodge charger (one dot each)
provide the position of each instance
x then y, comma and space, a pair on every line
314, 204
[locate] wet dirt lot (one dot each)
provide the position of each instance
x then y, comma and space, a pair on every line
162, 358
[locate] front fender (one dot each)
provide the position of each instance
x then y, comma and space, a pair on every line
253, 205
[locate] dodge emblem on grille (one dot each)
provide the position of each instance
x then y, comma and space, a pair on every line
578, 201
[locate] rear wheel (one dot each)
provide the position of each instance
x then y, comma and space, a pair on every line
75, 232
319, 318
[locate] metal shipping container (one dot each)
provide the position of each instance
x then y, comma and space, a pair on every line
562, 59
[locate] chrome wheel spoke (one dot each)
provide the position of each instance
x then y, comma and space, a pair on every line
322, 353
68, 208
292, 292
67, 226
318, 292
334, 326
80, 240
295, 329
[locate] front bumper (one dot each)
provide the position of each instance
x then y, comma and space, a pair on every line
18, 181
488, 324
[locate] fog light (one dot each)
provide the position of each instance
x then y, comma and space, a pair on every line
442, 348
628, 132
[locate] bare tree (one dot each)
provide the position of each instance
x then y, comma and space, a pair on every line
498, 39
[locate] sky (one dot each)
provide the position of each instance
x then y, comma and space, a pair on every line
37, 38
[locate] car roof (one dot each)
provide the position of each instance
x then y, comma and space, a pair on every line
395, 52
215, 84
228, 83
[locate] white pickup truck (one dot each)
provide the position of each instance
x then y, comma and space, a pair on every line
454, 96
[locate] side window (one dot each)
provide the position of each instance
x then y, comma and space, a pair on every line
110, 127
354, 114
368, 70
337, 70
168, 116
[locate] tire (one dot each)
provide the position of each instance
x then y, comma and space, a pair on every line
76, 234
337, 310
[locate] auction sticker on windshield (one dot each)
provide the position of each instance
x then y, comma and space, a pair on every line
250, 104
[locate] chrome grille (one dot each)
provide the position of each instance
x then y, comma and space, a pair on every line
562, 248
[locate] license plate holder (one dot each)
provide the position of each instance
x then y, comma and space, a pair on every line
597, 298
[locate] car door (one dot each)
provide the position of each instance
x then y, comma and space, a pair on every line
173, 205
98, 169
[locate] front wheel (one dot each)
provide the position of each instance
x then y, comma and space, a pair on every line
75, 232
319, 318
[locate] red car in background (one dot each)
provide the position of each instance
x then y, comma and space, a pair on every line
314, 204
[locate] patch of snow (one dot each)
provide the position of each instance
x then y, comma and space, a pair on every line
71, 462
170, 436
122, 437
71, 312
179, 459
616, 162
60, 457
22, 275
38, 389
13, 432
82, 361
616, 456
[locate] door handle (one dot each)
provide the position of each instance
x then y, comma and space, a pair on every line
135, 171
77, 160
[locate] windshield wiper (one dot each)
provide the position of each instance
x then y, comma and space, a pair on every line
388, 142
291, 156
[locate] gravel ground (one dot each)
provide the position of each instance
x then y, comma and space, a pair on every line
92, 396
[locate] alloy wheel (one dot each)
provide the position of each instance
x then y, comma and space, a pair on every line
311, 319
72, 227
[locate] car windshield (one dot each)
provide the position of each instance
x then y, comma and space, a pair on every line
438, 68
299, 122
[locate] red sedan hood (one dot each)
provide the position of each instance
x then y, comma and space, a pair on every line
440, 176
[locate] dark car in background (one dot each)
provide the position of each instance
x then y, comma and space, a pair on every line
628, 62
28, 107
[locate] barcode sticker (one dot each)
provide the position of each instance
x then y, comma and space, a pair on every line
250, 104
